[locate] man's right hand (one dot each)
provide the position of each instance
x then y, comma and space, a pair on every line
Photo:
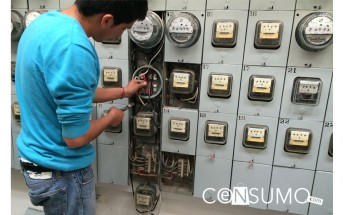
117, 116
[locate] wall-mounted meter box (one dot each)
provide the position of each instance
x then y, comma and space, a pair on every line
224, 33
16, 111
143, 124
183, 30
314, 32
111, 77
298, 140
306, 91
219, 85
268, 34
148, 32
32, 15
182, 81
112, 129
17, 25
145, 197
216, 132
255, 136
261, 88
45, 4
178, 128
157, 5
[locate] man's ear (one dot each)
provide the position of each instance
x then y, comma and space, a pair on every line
107, 20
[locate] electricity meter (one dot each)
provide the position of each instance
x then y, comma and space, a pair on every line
153, 78
255, 136
145, 197
330, 152
111, 77
114, 41
148, 32
182, 81
306, 91
144, 124
261, 88
268, 34
115, 129
298, 140
30, 16
224, 33
16, 111
216, 132
183, 30
17, 25
178, 128
219, 85
315, 32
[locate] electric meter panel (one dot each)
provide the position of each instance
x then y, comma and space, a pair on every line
298, 140
112, 129
261, 88
306, 91
216, 132
224, 33
145, 197
268, 34
219, 85
183, 30
148, 32
330, 151
144, 124
178, 128
114, 41
17, 25
315, 31
111, 77
255, 136
16, 111
182, 81
30, 16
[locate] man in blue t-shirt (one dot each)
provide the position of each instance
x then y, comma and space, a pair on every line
57, 72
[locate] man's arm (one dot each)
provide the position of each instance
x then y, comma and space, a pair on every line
108, 94
97, 126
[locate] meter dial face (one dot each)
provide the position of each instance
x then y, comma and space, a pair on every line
315, 31
17, 26
183, 30
30, 16
148, 32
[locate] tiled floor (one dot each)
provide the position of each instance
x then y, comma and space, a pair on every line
114, 200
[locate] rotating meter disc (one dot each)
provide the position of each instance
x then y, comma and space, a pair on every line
183, 30
17, 25
149, 32
30, 16
315, 32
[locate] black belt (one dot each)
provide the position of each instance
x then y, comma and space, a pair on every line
34, 168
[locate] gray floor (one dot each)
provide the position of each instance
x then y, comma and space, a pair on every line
118, 201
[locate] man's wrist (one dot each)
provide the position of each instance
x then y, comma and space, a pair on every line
123, 93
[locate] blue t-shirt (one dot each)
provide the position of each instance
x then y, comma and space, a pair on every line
57, 72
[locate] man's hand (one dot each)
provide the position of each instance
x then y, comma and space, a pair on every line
133, 86
117, 115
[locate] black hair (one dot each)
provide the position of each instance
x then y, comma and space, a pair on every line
123, 11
